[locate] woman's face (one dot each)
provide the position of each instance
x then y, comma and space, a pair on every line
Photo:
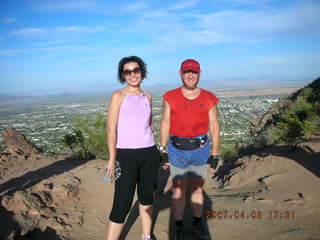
132, 74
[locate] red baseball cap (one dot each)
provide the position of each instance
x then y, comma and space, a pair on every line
190, 64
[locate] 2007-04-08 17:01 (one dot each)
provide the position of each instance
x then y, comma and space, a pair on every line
254, 214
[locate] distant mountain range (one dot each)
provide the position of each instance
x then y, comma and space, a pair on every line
105, 88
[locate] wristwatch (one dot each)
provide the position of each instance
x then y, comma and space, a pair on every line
162, 148
218, 157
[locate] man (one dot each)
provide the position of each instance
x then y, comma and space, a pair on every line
188, 114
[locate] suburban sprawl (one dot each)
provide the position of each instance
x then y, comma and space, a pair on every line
45, 122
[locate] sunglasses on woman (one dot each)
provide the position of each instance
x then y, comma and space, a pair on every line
128, 72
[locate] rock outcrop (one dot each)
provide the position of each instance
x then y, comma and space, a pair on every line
16, 141
260, 130
34, 200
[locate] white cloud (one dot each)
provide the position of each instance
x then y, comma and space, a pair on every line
52, 33
168, 28
135, 6
269, 60
65, 5
184, 38
243, 2
261, 25
29, 32
9, 20
57, 50
175, 29
183, 5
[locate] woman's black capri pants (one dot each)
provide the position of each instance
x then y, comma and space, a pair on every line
139, 167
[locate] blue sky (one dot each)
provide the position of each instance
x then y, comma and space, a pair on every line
52, 46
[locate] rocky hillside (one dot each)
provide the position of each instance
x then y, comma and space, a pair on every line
271, 193
30, 199
261, 129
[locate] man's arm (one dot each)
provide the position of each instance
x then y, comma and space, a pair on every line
214, 131
165, 124
164, 127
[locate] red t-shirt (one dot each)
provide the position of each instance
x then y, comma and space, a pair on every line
189, 118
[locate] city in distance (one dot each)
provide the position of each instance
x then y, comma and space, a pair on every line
45, 119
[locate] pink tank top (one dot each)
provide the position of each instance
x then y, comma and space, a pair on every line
133, 130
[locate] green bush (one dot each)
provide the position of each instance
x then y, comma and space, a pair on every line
296, 123
88, 137
229, 154
2, 147
302, 109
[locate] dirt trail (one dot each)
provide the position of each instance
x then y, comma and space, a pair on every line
273, 194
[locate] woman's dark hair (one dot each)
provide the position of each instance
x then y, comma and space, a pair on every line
125, 60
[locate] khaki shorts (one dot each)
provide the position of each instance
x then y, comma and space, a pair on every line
191, 171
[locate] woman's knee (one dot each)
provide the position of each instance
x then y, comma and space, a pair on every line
119, 211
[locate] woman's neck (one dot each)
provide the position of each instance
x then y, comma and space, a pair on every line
133, 90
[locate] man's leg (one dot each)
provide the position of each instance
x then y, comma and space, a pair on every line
178, 203
197, 199
179, 197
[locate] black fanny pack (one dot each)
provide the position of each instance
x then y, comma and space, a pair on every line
188, 143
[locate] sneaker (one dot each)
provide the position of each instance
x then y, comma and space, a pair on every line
178, 233
200, 232
146, 238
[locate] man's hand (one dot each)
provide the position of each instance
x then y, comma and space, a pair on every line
213, 163
164, 160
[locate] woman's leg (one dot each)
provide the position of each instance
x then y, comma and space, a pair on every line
148, 172
124, 192
114, 230
146, 218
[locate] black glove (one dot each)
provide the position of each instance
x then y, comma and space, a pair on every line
213, 161
164, 158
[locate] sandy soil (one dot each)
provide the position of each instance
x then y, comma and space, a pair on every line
273, 194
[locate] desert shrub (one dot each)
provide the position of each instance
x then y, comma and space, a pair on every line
302, 109
229, 154
88, 137
296, 123
2, 147
76, 142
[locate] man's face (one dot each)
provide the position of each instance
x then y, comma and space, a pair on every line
190, 79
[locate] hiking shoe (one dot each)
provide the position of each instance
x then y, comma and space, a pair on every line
199, 232
178, 233
146, 238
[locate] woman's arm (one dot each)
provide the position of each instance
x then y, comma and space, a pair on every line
112, 122
149, 96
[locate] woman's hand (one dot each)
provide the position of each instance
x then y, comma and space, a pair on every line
110, 169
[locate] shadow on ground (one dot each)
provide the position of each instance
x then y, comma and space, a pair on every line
162, 202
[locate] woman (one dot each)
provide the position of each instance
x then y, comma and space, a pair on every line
131, 144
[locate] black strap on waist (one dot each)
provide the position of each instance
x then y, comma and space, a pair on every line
188, 143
